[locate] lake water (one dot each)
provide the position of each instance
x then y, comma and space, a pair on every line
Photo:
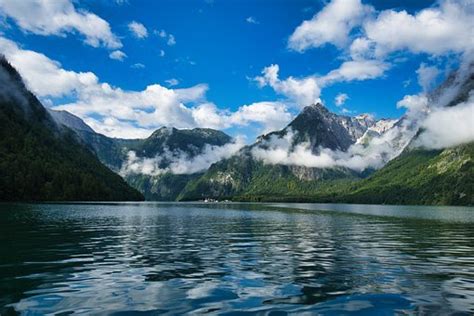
154, 258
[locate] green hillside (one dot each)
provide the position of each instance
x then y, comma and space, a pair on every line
439, 177
420, 177
242, 177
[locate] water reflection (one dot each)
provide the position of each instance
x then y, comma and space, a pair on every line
179, 258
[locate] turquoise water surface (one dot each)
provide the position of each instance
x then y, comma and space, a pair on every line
175, 258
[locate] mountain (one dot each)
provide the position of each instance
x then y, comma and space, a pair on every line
377, 129
41, 161
164, 148
160, 149
110, 151
413, 175
322, 128
190, 141
417, 176
457, 87
244, 175
430, 177
298, 163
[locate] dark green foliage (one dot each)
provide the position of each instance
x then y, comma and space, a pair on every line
165, 187
40, 162
162, 143
444, 177
416, 177
36, 165
244, 178
420, 177
111, 151
190, 141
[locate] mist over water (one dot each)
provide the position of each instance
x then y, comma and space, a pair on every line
222, 258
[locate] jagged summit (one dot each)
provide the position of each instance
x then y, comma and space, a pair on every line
315, 106
322, 128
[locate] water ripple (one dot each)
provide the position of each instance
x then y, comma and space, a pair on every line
184, 258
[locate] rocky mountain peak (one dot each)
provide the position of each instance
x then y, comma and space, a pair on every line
313, 109
366, 120
319, 127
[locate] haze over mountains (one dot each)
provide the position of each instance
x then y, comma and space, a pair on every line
318, 156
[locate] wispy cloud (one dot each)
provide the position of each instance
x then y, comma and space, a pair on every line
252, 20
138, 30
340, 99
138, 66
172, 82
170, 39
118, 55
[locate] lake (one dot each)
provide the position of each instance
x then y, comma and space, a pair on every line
236, 258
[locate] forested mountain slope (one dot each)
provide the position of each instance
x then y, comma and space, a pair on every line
39, 161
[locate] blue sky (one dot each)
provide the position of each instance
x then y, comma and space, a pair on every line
224, 46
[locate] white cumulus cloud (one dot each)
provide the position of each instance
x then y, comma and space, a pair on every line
379, 150
59, 17
171, 40
446, 127
138, 30
340, 99
44, 76
307, 90
172, 82
331, 25
118, 55
304, 91
355, 70
252, 20
445, 28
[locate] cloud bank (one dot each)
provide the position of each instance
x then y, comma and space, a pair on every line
303, 91
179, 162
375, 154
331, 25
